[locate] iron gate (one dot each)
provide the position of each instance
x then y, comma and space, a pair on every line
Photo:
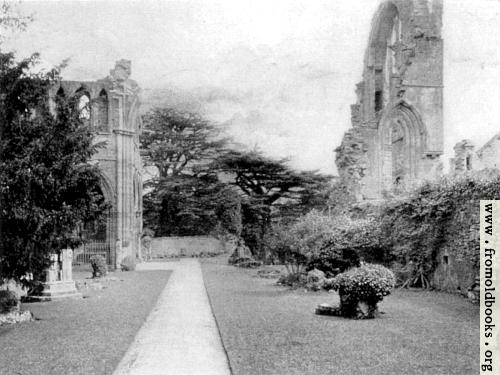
83, 254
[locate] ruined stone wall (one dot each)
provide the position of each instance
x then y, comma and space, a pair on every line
457, 260
166, 247
396, 137
467, 159
114, 117
489, 154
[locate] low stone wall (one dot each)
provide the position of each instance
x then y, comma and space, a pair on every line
166, 247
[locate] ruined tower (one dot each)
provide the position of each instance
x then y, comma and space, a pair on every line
110, 107
396, 137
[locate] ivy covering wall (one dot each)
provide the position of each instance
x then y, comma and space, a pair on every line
432, 238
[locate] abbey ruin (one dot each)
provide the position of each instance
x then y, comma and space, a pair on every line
396, 138
468, 159
111, 108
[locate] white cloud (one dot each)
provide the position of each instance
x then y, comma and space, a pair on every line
281, 72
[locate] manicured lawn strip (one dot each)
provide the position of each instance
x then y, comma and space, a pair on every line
267, 329
87, 336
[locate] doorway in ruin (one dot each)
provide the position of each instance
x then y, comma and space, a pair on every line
98, 235
403, 139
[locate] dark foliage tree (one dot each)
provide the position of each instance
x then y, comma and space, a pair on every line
176, 142
270, 180
272, 189
182, 198
47, 188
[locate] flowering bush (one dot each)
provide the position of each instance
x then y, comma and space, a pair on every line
367, 284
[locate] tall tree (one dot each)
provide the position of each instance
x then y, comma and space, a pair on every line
270, 180
47, 188
180, 147
271, 187
178, 142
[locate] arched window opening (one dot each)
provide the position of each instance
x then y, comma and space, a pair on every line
379, 103
60, 93
468, 163
385, 43
83, 105
102, 112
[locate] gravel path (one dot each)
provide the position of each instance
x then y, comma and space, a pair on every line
180, 337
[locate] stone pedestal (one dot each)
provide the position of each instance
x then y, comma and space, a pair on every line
59, 282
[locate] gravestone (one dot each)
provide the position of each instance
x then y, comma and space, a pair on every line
59, 281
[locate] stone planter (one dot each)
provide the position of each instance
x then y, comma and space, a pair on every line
358, 309
347, 309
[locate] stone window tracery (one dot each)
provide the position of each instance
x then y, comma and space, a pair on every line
83, 105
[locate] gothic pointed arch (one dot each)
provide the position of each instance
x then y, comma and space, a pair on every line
383, 57
403, 139
398, 114
83, 104
107, 188
61, 93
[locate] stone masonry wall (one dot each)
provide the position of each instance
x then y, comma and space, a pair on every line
396, 137
165, 247
457, 260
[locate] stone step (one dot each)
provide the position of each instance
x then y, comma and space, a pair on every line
60, 286
52, 297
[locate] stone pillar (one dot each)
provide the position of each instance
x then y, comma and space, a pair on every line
119, 255
67, 267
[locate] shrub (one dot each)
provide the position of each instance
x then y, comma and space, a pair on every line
8, 301
315, 280
352, 241
293, 279
367, 284
128, 263
331, 244
294, 244
99, 266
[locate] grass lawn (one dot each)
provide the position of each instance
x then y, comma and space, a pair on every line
87, 336
268, 329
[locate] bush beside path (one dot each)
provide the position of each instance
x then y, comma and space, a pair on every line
268, 329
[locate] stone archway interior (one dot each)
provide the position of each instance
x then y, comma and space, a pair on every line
400, 158
402, 144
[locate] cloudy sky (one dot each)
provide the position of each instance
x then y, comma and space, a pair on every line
278, 74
